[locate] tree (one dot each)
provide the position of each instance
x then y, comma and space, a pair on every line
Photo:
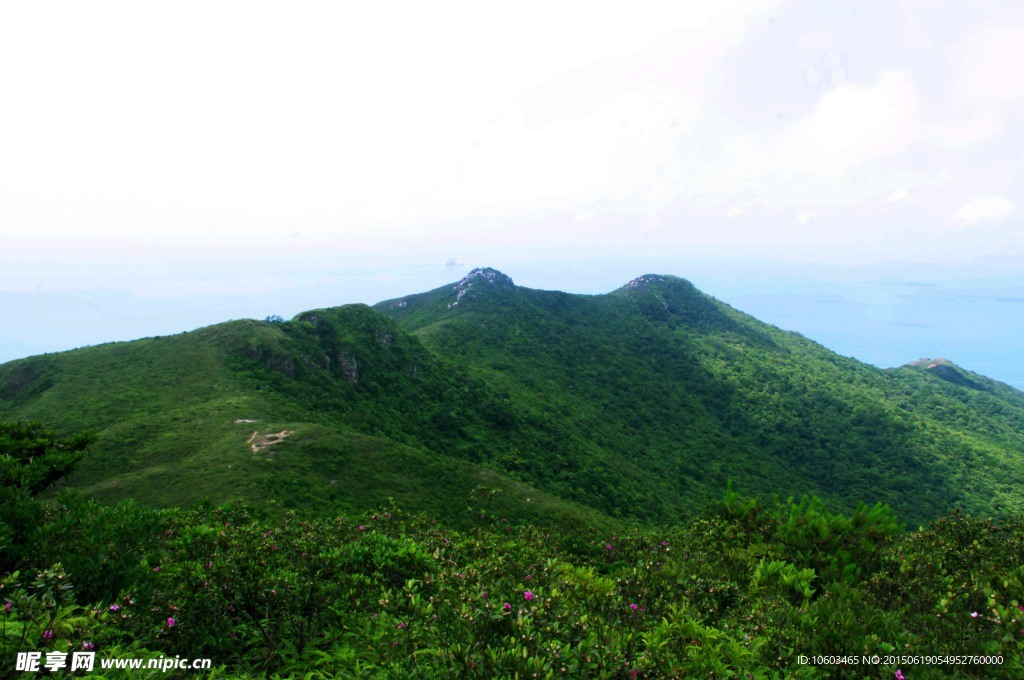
31, 459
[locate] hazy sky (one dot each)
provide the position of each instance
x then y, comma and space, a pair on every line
182, 153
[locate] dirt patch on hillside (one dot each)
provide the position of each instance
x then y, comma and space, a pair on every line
259, 441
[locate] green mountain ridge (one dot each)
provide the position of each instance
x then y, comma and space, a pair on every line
635, 405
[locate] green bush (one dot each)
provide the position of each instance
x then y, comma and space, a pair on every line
740, 591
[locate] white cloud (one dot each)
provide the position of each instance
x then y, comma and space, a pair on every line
982, 208
231, 115
853, 124
835, 155
328, 128
962, 128
987, 88
804, 218
899, 196
989, 66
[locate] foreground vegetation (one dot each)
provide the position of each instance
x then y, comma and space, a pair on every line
740, 590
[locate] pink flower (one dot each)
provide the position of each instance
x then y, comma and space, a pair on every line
507, 607
47, 634
899, 674
633, 607
170, 622
607, 546
528, 577
400, 625
87, 646
115, 607
528, 595
483, 595
156, 570
362, 527
7, 607
974, 615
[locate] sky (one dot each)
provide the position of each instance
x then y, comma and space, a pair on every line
850, 170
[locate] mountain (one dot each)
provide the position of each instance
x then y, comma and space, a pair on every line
636, 405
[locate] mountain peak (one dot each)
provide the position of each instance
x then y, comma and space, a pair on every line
481, 276
641, 282
484, 275
945, 369
928, 364
657, 283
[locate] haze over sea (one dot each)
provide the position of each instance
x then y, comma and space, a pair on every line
886, 314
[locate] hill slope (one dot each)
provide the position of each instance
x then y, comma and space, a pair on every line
335, 411
634, 405
659, 378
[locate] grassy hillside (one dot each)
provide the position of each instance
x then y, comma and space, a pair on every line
634, 406
332, 412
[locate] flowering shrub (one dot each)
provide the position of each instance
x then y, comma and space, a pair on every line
734, 592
